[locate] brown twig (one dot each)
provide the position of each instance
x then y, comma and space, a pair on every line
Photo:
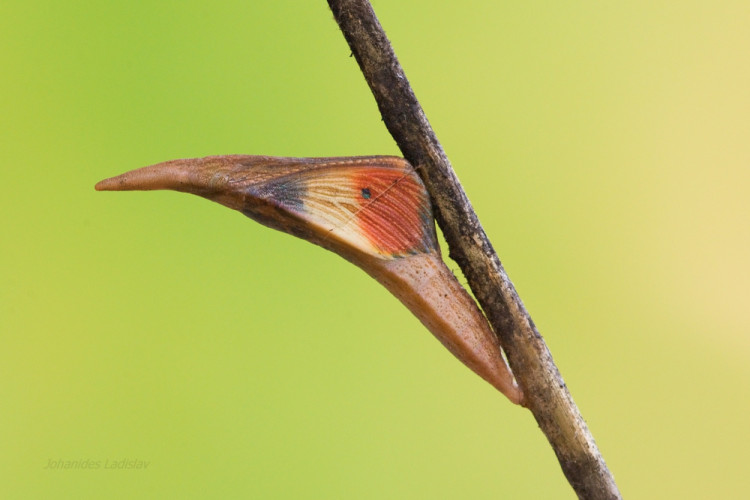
546, 394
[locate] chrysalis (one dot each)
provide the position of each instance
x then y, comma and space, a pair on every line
374, 211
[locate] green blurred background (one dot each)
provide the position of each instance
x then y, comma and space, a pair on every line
605, 147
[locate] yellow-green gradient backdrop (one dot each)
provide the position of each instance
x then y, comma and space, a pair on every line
606, 149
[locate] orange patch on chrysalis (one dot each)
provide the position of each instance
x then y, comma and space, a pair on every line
382, 209
394, 210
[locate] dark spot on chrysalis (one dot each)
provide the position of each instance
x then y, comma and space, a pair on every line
366, 193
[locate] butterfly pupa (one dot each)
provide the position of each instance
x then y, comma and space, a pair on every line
374, 211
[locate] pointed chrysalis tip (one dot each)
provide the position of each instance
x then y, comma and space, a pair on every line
168, 175
106, 185
122, 182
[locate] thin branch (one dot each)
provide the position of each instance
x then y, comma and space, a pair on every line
546, 394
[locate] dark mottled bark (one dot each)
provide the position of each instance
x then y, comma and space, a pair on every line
546, 394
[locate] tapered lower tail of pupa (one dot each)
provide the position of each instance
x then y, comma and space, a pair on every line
429, 289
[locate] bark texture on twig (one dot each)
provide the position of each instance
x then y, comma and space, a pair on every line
545, 392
